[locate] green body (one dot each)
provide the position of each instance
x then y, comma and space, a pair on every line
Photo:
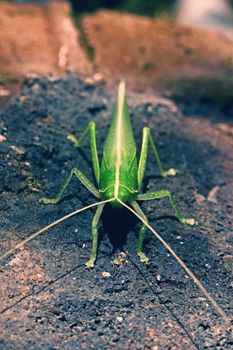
120, 176
119, 167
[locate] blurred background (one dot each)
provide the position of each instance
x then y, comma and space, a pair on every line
205, 13
176, 48
213, 14
149, 8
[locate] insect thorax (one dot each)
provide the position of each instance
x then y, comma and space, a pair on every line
124, 194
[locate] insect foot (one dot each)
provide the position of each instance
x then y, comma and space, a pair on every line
90, 263
170, 172
73, 139
48, 201
143, 258
189, 221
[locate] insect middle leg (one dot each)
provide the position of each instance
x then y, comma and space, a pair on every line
166, 193
84, 180
143, 229
146, 140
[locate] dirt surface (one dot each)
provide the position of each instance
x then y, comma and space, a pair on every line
49, 300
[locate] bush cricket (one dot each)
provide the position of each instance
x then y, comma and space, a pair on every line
118, 182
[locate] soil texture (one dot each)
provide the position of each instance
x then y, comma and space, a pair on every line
49, 300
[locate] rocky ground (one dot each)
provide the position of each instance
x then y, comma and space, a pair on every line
180, 85
48, 298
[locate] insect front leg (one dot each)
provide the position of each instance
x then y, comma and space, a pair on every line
95, 221
143, 258
84, 180
147, 139
166, 193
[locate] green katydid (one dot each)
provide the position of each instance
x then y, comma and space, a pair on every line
119, 180
120, 176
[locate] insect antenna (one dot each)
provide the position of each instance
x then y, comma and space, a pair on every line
54, 223
182, 264
166, 306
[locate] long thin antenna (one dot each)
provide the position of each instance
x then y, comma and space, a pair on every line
182, 264
21, 244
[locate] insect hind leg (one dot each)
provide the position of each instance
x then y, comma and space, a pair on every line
91, 128
146, 141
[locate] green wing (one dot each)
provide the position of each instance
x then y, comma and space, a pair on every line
122, 138
119, 146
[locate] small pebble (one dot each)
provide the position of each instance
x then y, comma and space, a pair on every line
4, 92
106, 274
2, 138
120, 259
17, 150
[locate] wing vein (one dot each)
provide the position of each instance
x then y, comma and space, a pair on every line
120, 107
